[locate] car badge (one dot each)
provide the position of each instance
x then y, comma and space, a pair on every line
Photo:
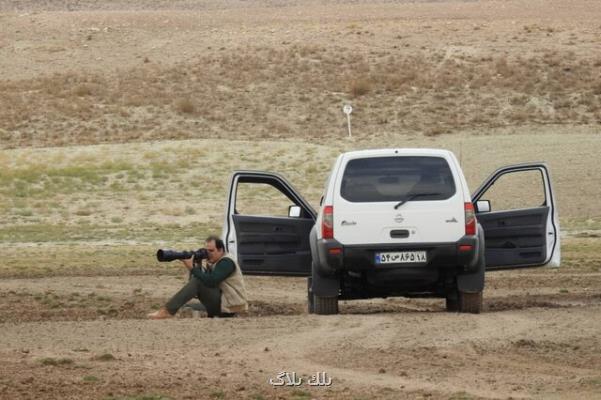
451, 220
398, 218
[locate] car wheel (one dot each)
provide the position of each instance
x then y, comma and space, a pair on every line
325, 305
470, 302
310, 299
452, 304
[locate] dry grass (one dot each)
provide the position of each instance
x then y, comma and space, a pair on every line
360, 87
249, 93
185, 106
172, 192
83, 90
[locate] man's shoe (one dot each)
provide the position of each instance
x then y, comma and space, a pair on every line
161, 313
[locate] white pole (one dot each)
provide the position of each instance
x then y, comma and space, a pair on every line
348, 109
348, 119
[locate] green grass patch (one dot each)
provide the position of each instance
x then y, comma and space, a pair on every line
49, 361
37, 190
105, 357
217, 394
82, 260
577, 224
581, 254
461, 396
592, 381
92, 173
25, 212
39, 181
46, 232
298, 394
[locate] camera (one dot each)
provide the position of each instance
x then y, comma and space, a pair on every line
170, 255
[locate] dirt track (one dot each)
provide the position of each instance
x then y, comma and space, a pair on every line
537, 339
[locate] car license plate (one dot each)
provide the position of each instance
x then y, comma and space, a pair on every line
401, 257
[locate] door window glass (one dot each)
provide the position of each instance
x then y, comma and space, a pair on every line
261, 199
516, 190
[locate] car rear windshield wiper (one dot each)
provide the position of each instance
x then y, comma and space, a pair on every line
413, 196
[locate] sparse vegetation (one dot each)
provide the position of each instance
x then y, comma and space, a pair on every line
119, 130
49, 361
360, 87
298, 394
444, 93
83, 90
90, 378
185, 106
596, 382
461, 396
217, 394
104, 357
139, 397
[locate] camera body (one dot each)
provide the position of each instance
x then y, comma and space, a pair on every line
170, 255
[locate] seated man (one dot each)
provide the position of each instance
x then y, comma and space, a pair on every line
219, 286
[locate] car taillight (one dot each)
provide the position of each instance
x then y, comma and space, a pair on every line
470, 219
327, 223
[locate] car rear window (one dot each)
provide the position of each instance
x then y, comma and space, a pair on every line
398, 178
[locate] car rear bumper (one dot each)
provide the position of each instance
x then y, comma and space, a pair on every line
334, 257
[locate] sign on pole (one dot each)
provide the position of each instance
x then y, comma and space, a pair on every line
348, 109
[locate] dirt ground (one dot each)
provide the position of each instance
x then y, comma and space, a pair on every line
76, 73
86, 337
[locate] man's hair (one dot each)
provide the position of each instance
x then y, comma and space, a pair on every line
218, 242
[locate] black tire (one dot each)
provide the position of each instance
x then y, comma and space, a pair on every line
310, 299
470, 302
325, 305
452, 304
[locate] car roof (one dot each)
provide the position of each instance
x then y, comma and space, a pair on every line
397, 152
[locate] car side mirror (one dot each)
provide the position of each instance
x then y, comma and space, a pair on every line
483, 206
294, 211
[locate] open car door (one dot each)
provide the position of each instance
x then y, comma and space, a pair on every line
267, 225
517, 209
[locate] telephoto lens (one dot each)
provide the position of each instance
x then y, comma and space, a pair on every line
170, 255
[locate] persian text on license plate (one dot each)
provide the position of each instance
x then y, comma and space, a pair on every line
401, 257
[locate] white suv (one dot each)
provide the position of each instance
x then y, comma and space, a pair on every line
396, 222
